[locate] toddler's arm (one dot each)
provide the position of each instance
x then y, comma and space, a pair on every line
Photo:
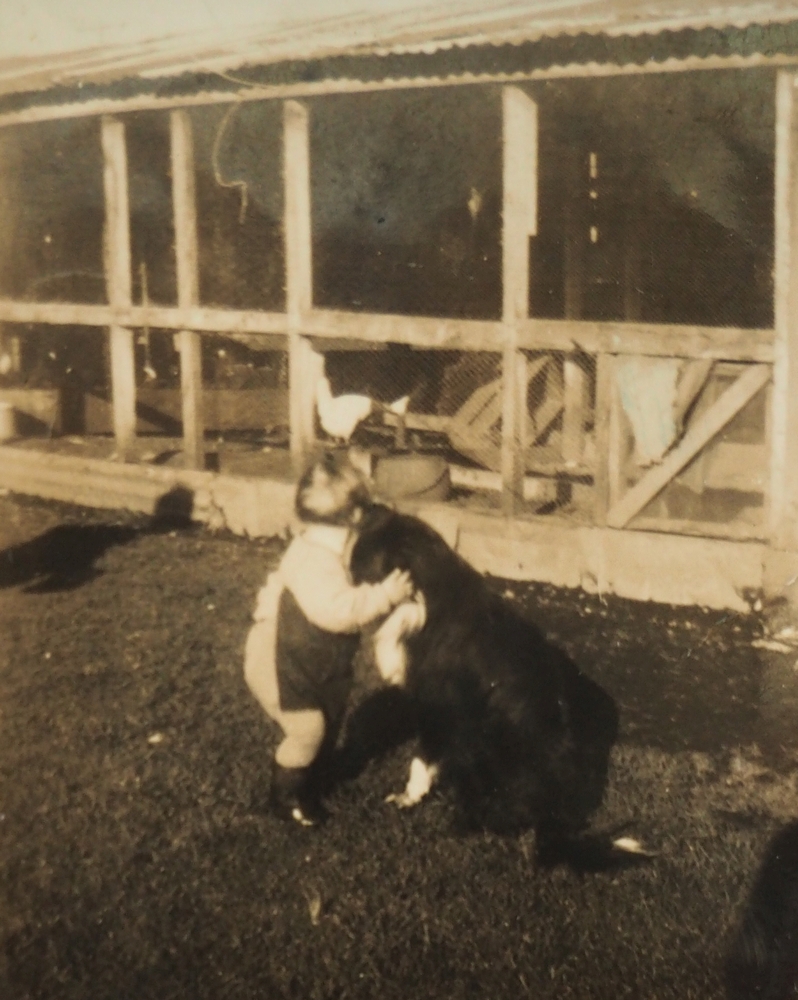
331, 601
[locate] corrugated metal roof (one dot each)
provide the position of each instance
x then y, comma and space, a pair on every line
382, 28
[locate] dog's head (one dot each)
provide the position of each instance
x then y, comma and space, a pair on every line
373, 555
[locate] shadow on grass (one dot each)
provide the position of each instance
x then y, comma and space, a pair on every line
64, 557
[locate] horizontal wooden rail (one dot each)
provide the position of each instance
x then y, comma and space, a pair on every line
199, 318
427, 333
669, 340
569, 336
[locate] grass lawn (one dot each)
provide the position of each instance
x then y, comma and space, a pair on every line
136, 860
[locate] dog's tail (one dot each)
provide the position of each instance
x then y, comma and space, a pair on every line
588, 851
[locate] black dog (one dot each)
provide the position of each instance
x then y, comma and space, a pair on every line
763, 958
505, 717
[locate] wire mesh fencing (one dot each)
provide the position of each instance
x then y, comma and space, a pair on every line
450, 404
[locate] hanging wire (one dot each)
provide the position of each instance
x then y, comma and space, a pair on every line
244, 83
217, 173
144, 339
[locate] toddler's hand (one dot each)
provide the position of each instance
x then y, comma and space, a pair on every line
398, 586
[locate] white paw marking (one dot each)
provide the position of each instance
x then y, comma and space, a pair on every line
632, 846
420, 780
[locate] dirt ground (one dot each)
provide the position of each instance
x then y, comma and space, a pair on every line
136, 859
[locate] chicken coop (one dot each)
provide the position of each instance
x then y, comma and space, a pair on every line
535, 267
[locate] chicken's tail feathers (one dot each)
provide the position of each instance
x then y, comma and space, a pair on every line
398, 406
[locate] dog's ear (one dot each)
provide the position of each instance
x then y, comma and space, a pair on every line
369, 560
374, 517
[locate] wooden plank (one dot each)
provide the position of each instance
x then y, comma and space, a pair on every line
514, 427
119, 282
37, 410
768, 459
587, 336
691, 383
575, 383
551, 406
255, 507
702, 431
605, 383
153, 102
611, 437
427, 333
187, 256
617, 445
694, 475
270, 327
575, 391
519, 222
737, 530
668, 340
692, 387
305, 366
783, 501
710, 572
298, 231
519, 199
535, 488
421, 422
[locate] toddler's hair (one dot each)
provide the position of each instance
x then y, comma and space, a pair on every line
331, 491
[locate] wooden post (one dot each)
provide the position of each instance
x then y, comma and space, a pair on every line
519, 222
783, 504
187, 255
119, 284
605, 435
574, 375
305, 366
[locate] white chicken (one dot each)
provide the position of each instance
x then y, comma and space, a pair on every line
340, 415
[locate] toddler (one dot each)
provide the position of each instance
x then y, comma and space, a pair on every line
299, 653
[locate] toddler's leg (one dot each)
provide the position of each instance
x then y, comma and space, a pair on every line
291, 795
259, 667
294, 793
304, 735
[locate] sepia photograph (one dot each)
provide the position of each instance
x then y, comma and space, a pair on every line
398, 500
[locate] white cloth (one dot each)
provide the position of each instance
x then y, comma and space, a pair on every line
647, 388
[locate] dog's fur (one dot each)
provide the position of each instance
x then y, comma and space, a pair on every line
509, 721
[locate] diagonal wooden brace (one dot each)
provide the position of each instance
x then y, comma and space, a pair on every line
700, 434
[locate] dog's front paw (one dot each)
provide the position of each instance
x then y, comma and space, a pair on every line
421, 778
402, 800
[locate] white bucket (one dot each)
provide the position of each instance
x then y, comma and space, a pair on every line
8, 423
